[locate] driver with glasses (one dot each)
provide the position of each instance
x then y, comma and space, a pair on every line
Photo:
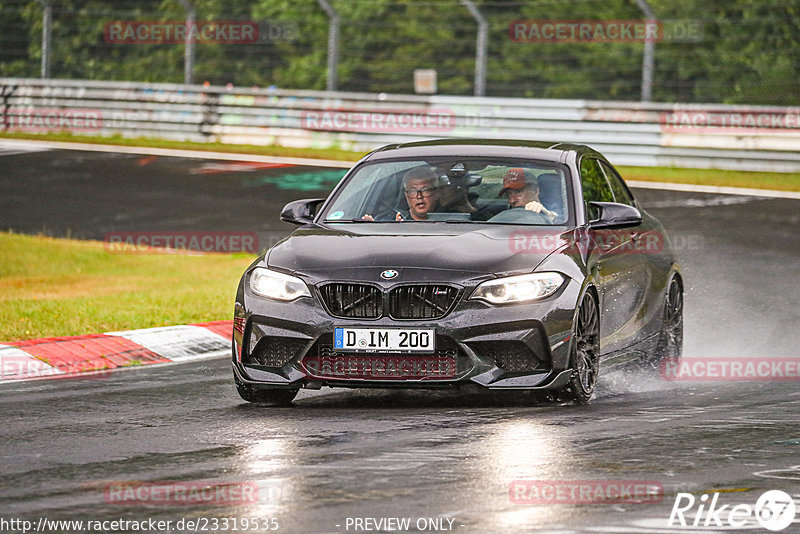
421, 189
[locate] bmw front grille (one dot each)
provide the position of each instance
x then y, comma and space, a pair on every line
363, 301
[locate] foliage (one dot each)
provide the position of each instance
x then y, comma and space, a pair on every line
746, 51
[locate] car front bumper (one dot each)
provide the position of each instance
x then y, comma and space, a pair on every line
522, 346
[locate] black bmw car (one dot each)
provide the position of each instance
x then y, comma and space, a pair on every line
512, 265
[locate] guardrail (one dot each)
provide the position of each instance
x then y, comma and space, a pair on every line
681, 135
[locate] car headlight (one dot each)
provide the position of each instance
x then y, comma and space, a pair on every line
519, 288
278, 286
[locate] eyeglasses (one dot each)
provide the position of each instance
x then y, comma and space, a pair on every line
425, 192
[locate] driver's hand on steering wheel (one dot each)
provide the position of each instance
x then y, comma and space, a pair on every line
537, 207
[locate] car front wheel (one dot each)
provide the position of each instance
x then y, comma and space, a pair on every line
670, 339
584, 359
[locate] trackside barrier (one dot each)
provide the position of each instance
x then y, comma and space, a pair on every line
683, 135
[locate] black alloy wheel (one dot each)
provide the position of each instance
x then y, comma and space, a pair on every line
585, 359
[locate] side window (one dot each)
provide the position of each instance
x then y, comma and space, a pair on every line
594, 185
621, 193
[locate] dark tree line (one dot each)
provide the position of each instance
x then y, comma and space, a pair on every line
740, 51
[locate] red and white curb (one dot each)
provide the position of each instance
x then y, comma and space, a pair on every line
60, 356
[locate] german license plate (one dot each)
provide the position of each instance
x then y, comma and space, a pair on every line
418, 340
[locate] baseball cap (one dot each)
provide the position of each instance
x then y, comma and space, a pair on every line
514, 179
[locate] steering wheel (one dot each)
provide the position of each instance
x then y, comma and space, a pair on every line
519, 215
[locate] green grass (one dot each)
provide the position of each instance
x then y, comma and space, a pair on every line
782, 181
63, 287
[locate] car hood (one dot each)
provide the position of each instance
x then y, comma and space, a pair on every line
362, 248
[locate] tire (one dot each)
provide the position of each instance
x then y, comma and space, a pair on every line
279, 397
585, 353
670, 339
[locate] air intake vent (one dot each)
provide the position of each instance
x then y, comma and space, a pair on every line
353, 300
428, 301
421, 301
511, 356
274, 351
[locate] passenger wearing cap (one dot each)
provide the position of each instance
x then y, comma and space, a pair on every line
521, 189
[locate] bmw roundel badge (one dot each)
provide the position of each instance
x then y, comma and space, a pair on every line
389, 274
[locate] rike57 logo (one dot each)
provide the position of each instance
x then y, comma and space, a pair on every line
774, 510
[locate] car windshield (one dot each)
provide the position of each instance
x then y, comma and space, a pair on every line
493, 191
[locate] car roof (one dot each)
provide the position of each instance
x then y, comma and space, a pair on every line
498, 148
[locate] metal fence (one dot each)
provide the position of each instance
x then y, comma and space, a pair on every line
681, 135
737, 51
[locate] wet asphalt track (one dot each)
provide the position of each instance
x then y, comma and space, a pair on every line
337, 454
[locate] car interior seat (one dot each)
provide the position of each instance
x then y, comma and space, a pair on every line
550, 192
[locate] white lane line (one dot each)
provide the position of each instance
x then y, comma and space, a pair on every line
715, 189
16, 364
12, 149
179, 153
179, 343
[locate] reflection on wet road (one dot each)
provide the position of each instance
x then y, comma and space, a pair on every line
339, 454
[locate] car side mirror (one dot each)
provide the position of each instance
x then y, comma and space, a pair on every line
615, 215
301, 211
